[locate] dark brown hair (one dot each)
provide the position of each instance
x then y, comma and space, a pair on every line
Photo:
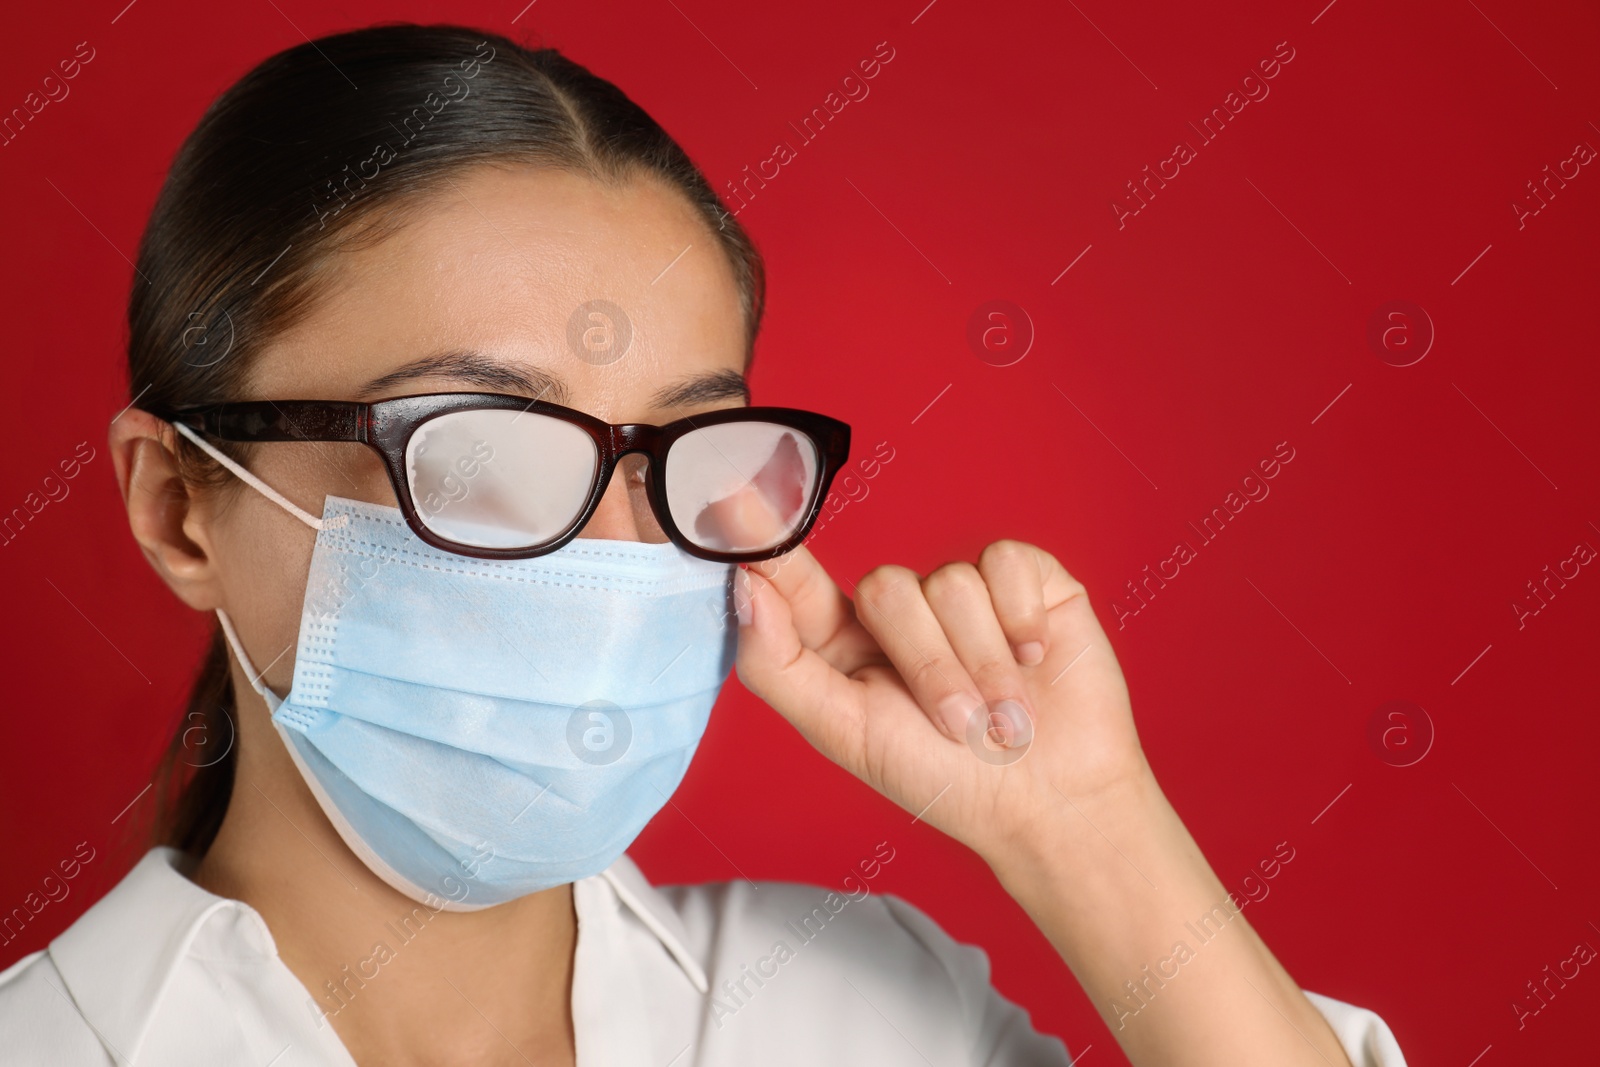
278, 172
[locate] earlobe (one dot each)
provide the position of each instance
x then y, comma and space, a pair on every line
163, 509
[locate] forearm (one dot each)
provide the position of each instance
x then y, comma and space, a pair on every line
1122, 891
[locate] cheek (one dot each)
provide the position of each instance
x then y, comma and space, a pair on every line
262, 556
309, 473
352, 471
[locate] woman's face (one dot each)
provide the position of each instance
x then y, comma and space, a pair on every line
475, 291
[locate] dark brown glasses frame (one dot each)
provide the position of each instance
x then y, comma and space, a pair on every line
386, 426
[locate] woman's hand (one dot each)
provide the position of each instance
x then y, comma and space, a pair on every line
915, 687
981, 697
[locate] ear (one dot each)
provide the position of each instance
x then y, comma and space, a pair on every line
170, 518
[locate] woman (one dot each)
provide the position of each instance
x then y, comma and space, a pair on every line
437, 357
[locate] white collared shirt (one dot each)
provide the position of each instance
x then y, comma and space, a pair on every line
163, 972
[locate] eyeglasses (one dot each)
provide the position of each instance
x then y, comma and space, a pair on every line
503, 477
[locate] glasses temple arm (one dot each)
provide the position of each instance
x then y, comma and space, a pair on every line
250, 479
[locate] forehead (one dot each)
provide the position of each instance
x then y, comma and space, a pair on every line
546, 271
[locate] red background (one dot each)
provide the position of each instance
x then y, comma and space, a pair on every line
1221, 320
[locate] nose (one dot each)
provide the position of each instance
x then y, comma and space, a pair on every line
624, 512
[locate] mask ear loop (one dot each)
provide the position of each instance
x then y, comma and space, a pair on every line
232, 635
250, 479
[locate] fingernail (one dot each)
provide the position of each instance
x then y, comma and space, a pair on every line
954, 711
1030, 653
742, 606
1019, 724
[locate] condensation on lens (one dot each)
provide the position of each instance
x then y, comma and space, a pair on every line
741, 486
499, 478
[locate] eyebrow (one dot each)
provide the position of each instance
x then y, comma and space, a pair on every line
474, 368
703, 389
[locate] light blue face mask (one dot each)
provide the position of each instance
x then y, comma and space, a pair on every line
478, 730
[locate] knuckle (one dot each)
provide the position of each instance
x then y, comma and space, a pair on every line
1007, 552
955, 580
1028, 617
931, 676
886, 581
996, 678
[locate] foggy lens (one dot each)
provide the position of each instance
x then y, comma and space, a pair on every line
741, 486
499, 478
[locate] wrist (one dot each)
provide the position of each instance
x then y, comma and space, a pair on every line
1106, 866
1067, 833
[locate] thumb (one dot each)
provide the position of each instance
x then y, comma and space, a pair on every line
776, 666
819, 608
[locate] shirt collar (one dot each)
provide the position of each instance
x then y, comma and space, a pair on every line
652, 908
118, 958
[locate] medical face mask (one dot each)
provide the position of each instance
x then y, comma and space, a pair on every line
478, 730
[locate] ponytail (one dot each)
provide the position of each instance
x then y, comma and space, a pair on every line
195, 777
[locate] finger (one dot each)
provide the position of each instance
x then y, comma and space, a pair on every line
1015, 577
775, 665
763, 509
962, 604
891, 607
1059, 586
821, 611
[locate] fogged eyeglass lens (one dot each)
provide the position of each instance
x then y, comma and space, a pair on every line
741, 486
499, 478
